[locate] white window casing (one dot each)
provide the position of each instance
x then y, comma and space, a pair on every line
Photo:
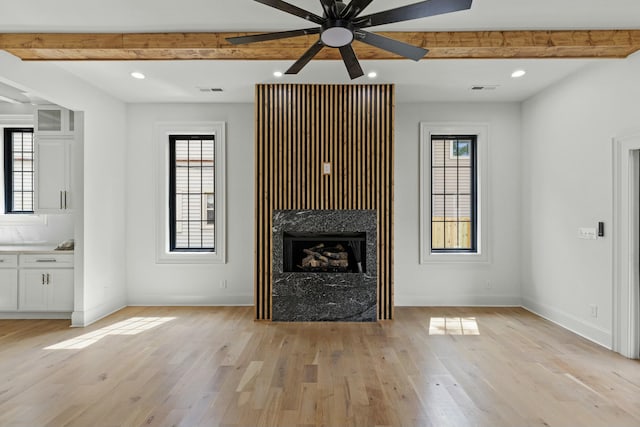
481, 131
15, 121
161, 137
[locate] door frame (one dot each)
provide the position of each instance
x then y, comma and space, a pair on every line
626, 245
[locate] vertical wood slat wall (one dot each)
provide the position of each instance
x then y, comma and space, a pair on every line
298, 128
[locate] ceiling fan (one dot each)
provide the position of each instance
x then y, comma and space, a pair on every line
340, 24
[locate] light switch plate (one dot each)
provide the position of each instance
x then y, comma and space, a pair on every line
587, 233
326, 168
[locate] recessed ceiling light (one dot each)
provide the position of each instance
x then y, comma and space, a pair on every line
372, 75
137, 75
277, 73
518, 73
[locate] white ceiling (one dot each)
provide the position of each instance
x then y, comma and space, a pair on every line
435, 80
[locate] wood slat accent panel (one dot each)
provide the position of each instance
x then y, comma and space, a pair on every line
298, 128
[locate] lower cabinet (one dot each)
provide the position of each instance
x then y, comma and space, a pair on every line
36, 282
8, 289
46, 290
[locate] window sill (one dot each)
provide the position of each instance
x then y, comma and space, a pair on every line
454, 257
189, 258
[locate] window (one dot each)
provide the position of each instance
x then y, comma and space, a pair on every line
453, 193
192, 183
18, 170
454, 196
190, 198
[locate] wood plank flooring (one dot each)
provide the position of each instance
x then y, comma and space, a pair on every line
205, 366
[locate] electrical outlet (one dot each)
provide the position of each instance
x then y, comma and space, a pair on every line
594, 310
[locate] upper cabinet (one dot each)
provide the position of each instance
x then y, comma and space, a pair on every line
52, 120
53, 189
55, 140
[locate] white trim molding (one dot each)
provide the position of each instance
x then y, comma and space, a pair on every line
12, 121
481, 131
162, 132
625, 247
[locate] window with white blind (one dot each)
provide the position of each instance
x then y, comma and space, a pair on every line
18, 170
190, 202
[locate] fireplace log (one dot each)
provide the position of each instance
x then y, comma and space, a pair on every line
336, 255
316, 255
339, 263
316, 247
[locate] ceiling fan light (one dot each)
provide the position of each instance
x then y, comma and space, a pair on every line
337, 33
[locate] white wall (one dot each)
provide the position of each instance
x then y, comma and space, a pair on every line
465, 283
189, 284
567, 184
100, 182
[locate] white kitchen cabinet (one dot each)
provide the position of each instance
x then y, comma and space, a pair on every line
53, 162
54, 121
8, 289
8, 282
36, 282
46, 289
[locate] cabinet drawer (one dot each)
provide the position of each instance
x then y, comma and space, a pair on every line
46, 260
8, 260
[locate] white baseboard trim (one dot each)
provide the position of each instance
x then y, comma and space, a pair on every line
25, 315
457, 301
182, 300
570, 322
81, 319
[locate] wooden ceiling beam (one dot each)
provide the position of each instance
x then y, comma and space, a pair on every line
213, 46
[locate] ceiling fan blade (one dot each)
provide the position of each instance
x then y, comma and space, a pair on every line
305, 58
351, 62
422, 9
330, 8
403, 49
272, 36
294, 10
355, 8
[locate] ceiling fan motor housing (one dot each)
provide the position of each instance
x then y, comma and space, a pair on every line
337, 32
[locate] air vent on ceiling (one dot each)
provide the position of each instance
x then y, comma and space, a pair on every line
484, 87
210, 89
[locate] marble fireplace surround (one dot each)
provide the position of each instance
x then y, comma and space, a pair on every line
309, 296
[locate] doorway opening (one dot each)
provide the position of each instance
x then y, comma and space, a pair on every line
626, 246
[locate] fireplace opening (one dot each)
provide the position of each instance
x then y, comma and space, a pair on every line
325, 252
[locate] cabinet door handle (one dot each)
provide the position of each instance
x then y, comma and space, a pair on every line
60, 199
65, 199
43, 278
48, 279
47, 260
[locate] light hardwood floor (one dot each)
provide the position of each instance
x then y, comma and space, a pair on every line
208, 366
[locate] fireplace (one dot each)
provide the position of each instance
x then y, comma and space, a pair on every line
324, 265
324, 252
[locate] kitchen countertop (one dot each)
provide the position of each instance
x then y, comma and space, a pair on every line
40, 248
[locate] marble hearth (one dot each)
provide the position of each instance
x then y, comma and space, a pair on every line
343, 291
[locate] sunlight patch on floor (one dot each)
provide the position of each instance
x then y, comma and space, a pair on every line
453, 326
132, 326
